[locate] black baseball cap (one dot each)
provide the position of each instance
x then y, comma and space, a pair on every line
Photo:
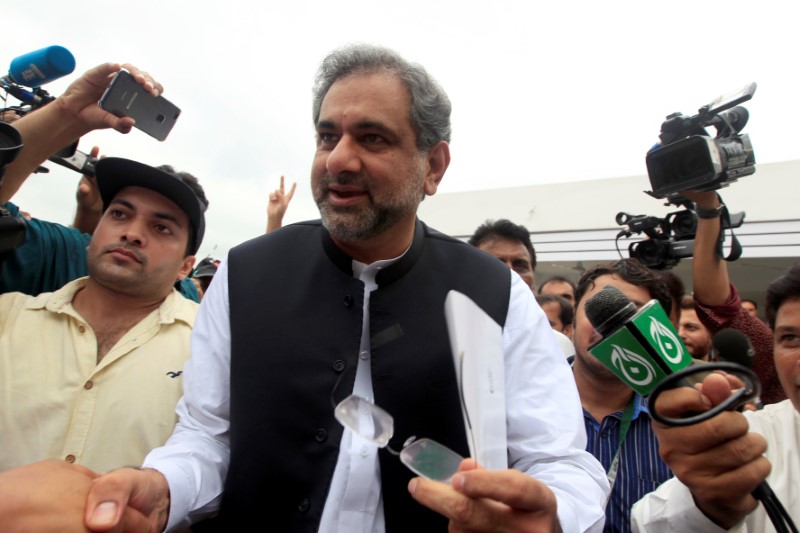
115, 173
206, 268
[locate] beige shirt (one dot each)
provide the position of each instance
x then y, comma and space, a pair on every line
57, 402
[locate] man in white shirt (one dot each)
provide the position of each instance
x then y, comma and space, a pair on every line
720, 462
382, 144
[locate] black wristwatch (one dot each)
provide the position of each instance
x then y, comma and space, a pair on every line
715, 212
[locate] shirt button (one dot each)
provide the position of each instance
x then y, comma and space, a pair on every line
88, 385
364, 355
303, 505
321, 435
70, 458
364, 451
338, 365
82, 329
348, 301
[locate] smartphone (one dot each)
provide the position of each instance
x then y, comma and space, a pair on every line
125, 97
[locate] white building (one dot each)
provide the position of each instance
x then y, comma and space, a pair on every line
573, 224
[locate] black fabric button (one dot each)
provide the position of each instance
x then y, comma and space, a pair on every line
321, 435
304, 505
338, 365
348, 301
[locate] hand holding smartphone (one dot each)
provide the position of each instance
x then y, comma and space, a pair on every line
125, 97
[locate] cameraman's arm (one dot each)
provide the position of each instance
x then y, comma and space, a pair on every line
67, 118
710, 281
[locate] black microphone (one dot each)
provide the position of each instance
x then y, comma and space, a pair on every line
23, 95
640, 346
733, 346
736, 117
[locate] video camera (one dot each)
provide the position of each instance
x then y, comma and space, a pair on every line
670, 239
688, 158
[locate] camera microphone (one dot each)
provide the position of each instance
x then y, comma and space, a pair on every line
641, 347
39, 67
21, 94
736, 118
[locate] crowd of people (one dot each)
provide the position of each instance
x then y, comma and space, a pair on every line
144, 390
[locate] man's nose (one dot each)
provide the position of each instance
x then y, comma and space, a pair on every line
134, 233
344, 157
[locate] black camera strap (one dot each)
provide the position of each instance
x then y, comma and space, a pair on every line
725, 222
736, 247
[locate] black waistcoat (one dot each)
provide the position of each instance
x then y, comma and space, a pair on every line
296, 315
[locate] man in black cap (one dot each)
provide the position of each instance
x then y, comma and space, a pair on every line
51, 255
91, 373
203, 274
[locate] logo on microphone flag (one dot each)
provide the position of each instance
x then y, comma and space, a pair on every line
645, 351
653, 323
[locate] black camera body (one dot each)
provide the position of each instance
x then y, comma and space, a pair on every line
670, 239
659, 254
688, 158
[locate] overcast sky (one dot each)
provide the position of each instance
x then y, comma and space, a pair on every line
542, 92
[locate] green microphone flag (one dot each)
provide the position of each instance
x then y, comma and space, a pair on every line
643, 349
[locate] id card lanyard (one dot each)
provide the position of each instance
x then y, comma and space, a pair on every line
625, 425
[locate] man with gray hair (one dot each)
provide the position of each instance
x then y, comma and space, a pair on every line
361, 312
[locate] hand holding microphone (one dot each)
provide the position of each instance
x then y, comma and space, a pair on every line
642, 348
702, 436
718, 459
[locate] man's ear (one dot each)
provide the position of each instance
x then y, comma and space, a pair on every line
186, 266
438, 159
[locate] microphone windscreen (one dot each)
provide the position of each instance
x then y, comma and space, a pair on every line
733, 346
41, 66
737, 116
608, 308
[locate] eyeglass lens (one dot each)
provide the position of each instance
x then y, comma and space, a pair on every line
365, 419
424, 457
429, 459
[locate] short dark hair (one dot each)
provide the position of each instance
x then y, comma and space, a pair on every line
632, 271
786, 287
675, 285
506, 229
687, 302
567, 313
755, 304
430, 106
194, 183
558, 278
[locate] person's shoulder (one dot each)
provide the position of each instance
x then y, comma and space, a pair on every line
178, 308
565, 344
16, 300
458, 246
287, 233
773, 417
12, 304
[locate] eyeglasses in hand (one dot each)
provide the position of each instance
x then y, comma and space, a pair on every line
424, 457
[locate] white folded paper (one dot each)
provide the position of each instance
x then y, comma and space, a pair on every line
477, 343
